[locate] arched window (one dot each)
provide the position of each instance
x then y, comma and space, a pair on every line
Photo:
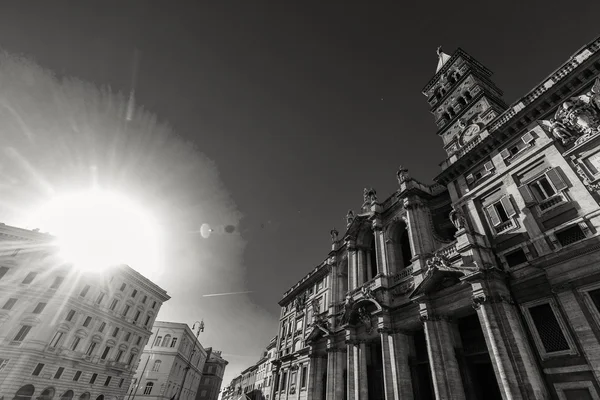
158, 340
101, 397
47, 394
166, 341
25, 393
156, 366
85, 396
68, 395
148, 388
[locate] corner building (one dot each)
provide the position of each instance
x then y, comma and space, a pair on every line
65, 334
484, 285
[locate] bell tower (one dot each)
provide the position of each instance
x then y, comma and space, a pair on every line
463, 100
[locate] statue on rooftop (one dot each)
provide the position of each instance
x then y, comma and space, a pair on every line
402, 175
349, 217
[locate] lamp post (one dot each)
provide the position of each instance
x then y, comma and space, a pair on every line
187, 369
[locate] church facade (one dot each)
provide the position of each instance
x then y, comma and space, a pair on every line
484, 285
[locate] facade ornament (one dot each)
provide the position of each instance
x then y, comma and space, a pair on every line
579, 115
437, 261
367, 293
478, 300
369, 196
345, 318
334, 235
462, 124
316, 308
403, 289
300, 302
349, 217
365, 318
559, 130
585, 179
402, 175
458, 219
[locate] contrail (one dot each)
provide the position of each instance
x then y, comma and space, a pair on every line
224, 294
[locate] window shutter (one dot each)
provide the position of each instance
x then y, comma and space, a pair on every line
508, 207
527, 138
556, 179
491, 210
470, 178
526, 194
505, 154
488, 166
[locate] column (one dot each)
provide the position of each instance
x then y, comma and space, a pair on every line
352, 371
447, 381
381, 254
418, 226
584, 333
352, 265
396, 348
318, 364
517, 372
362, 371
336, 362
361, 268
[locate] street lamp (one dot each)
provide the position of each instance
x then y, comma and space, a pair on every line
187, 369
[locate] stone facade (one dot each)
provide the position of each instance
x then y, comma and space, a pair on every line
480, 286
171, 364
64, 332
212, 376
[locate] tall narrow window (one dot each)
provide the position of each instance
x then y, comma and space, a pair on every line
137, 316
166, 341
70, 316
38, 369
156, 366
87, 321
3, 271
173, 342
56, 339
116, 331
123, 286
91, 349
22, 334
148, 388
100, 298
93, 379
107, 381
29, 278
75, 343
113, 305
77, 376
158, 341
102, 326
39, 308
131, 358
134, 293
59, 373
127, 336
126, 310
57, 282
154, 304
303, 377
147, 320
84, 291
105, 352
119, 356
144, 299
9, 304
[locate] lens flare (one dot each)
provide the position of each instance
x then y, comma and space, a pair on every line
96, 230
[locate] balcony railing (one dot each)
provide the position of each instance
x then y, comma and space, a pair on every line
551, 202
449, 251
403, 275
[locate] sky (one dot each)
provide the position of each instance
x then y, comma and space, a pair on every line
293, 107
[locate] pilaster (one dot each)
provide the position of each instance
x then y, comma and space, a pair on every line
396, 348
352, 264
418, 223
353, 366
517, 373
336, 360
380, 248
362, 371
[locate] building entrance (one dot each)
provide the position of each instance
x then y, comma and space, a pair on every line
420, 372
375, 371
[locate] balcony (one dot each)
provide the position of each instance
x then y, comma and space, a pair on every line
403, 275
119, 366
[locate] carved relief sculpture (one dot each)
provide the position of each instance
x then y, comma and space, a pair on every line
301, 302
365, 318
367, 293
559, 130
345, 318
334, 235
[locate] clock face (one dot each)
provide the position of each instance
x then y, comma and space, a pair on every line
469, 134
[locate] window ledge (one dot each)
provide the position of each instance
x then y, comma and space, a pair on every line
517, 155
506, 226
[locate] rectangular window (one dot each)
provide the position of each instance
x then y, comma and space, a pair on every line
59, 373
303, 377
134, 293
126, 310
548, 328
501, 213
100, 298
57, 282
3, 363
147, 320
121, 382
87, 321
107, 381
154, 305
77, 376
39, 308
75, 343
139, 340
84, 291
131, 358
127, 336
105, 352
123, 286
544, 190
93, 379
102, 326
56, 339
70, 316
515, 257
283, 380
319, 285
9, 304
115, 332
144, 299
173, 342
22, 334
570, 235
137, 316
38, 369
29, 278
157, 341
3, 271
113, 305
119, 355
90, 349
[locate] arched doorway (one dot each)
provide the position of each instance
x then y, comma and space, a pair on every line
101, 397
68, 395
85, 396
47, 394
25, 393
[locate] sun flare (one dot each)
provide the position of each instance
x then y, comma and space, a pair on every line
97, 229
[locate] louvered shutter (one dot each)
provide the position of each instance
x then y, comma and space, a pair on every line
491, 210
526, 194
555, 177
488, 166
470, 178
508, 207
527, 138
505, 154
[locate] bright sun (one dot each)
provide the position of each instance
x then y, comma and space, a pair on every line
97, 229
